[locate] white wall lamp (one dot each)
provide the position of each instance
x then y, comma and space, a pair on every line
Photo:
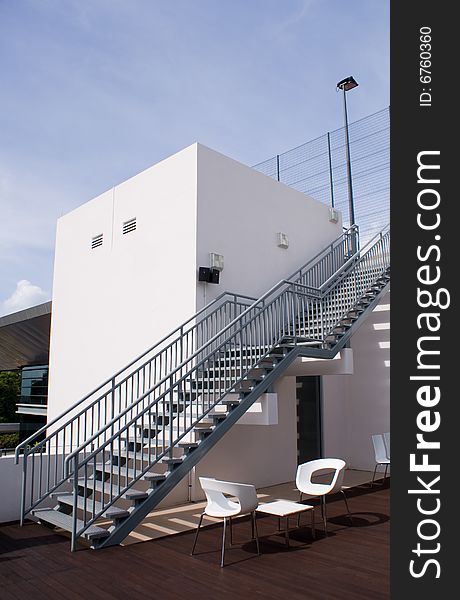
216, 261
333, 215
282, 240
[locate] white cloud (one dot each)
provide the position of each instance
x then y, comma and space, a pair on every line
25, 295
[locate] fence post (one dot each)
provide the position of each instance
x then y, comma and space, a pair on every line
331, 179
278, 167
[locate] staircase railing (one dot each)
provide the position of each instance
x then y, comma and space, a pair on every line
290, 310
46, 449
45, 452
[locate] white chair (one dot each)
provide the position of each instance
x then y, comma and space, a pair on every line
386, 439
305, 484
380, 452
222, 507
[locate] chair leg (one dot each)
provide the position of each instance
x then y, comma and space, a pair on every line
223, 543
298, 518
231, 530
323, 506
346, 504
254, 526
373, 476
313, 532
196, 534
385, 475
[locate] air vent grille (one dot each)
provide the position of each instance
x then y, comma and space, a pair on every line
97, 241
129, 226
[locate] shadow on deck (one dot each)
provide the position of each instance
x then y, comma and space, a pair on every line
351, 562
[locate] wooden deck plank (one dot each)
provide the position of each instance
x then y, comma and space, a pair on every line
350, 563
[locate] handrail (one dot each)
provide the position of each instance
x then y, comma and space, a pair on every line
352, 231
81, 421
209, 343
350, 261
91, 416
254, 338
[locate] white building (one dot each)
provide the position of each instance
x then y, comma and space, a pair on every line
126, 275
112, 302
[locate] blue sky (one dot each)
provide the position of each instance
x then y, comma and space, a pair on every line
94, 91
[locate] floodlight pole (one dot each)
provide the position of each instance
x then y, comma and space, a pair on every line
351, 207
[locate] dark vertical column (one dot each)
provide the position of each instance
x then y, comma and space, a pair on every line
309, 442
424, 386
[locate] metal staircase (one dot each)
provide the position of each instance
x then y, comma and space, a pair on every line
114, 455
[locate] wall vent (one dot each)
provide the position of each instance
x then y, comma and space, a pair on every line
97, 241
129, 226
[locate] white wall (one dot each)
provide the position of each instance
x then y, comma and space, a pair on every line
10, 494
112, 303
240, 212
10, 488
357, 406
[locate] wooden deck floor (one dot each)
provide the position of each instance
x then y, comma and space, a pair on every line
351, 562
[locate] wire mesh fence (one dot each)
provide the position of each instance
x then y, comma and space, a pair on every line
318, 168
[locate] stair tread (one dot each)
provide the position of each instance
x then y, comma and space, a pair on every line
230, 401
142, 453
130, 454
131, 439
111, 512
227, 367
226, 360
106, 488
131, 473
217, 415
64, 521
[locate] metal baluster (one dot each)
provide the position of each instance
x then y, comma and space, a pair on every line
73, 545
63, 452
25, 457
48, 466
40, 470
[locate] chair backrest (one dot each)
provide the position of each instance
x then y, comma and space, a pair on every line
386, 439
306, 471
243, 492
379, 448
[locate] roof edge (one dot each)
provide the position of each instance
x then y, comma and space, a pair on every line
26, 314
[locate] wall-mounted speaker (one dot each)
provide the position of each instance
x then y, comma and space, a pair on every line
214, 276
208, 275
204, 274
